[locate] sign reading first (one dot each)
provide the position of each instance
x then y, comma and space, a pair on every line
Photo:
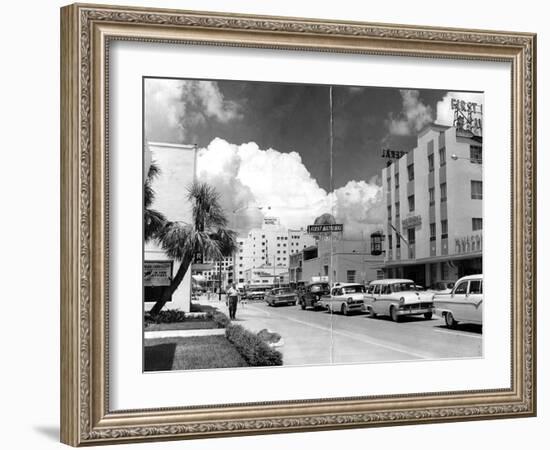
326, 228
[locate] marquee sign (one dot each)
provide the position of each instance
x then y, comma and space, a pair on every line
326, 228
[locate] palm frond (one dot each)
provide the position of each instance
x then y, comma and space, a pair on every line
207, 211
153, 221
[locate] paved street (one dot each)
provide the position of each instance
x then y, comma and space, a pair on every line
356, 338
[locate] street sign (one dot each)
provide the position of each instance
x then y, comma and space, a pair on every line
326, 228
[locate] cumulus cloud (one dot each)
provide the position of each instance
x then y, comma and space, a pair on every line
413, 116
445, 114
174, 107
251, 180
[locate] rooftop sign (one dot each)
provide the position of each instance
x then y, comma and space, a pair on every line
467, 116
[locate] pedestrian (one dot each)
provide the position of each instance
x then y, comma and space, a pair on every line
232, 299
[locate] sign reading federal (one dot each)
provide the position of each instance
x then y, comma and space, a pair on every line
326, 228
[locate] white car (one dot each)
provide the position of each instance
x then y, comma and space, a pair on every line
464, 303
344, 298
397, 297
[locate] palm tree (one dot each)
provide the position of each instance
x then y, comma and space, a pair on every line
207, 235
153, 220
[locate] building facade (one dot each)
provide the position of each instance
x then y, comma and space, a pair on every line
434, 197
177, 164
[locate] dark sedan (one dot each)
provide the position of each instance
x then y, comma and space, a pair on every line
281, 296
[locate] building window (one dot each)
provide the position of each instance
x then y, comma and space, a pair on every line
389, 213
477, 223
389, 183
432, 231
477, 190
411, 234
431, 162
390, 241
411, 203
444, 229
476, 155
410, 172
397, 213
431, 193
396, 177
325, 270
443, 190
350, 276
442, 156
397, 241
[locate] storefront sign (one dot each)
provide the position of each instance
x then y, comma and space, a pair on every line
413, 221
327, 228
157, 273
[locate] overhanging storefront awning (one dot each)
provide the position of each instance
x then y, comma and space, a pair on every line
435, 259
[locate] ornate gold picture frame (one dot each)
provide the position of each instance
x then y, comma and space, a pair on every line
86, 34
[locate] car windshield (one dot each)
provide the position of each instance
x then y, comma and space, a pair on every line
399, 287
353, 289
281, 291
319, 287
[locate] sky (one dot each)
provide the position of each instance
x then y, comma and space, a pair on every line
267, 145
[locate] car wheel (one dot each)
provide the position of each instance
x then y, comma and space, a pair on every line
344, 309
450, 320
371, 312
302, 305
329, 309
428, 315
393, 314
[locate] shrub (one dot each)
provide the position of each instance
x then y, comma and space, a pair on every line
166, 316
255, 351
220, 318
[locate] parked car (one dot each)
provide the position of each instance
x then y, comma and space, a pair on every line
279, 296
310, 294
464, 303
254, 293
396, 298
345, 298
442, 287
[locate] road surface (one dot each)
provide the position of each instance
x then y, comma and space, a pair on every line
319, 337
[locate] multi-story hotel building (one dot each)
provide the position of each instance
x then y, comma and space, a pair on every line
268, 246
434, 197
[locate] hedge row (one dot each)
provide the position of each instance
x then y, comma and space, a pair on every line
255, 351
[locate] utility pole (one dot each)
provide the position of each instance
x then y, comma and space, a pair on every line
220, 280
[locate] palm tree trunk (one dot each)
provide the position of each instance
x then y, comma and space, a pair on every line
168, 291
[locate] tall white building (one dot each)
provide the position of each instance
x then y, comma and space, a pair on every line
268, 246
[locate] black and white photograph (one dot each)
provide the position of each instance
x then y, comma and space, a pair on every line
302, 224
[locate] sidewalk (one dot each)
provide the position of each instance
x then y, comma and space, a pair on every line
184, 333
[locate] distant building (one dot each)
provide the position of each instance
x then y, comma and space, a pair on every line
266, 275
434, 217
268, 246
339, 260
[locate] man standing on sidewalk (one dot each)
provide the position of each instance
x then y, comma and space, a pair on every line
232, 300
